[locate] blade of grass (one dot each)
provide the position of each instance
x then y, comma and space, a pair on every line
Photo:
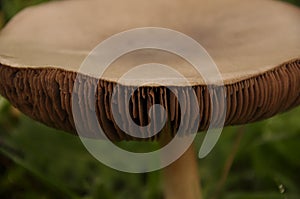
20, 162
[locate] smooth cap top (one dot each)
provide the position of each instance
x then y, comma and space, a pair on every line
244, 38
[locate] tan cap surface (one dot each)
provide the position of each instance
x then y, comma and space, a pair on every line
244, 38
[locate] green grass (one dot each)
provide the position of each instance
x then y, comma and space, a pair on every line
40, 162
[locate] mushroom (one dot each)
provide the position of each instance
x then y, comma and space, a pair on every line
255, 44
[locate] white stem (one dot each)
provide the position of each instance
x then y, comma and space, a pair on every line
181, 178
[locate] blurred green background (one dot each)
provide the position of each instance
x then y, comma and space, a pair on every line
258, 161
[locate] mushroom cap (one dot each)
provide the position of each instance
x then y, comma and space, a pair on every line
255, 44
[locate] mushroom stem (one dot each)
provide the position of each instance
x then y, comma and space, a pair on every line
181, 178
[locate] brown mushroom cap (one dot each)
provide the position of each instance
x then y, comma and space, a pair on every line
255, 44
